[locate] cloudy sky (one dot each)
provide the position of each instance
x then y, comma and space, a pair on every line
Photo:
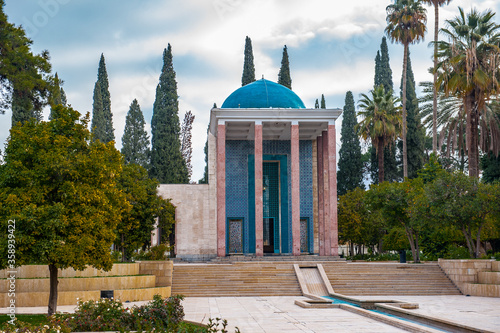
331, 45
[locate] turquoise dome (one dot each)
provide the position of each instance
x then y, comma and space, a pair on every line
263, 94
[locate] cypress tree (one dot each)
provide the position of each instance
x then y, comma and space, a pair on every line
383, 75
248, 66
316, 104
57, 95
167, 164
204, 180
350, 174
323, 103
98, 127
284, 74
415, 136
186, 145
135, 140
385, 71
490, 164
105, 132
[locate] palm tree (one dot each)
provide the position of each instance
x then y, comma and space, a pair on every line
436, 4
406, 21
469, 69
381, 122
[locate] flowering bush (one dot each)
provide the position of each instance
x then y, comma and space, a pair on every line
23, 327
110, 315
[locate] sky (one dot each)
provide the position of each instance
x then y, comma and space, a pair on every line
331, 46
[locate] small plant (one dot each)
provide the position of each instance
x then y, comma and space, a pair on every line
23, 327
157, 252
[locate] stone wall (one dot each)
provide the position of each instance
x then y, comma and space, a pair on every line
195, 224
470, 276
162, 270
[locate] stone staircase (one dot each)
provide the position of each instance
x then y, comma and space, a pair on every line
277, 278
390, 279
238, 279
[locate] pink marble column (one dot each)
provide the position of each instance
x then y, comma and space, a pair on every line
332, 156
326, 193
259, 217
295, 162
321, 220
221, 190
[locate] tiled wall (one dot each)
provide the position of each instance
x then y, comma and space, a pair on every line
237, 153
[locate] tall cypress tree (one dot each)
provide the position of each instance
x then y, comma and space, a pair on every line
383, 75
105, 131
415, 136
350, 174
248, 66
98, 127
135, 140
167, 164
323, 103
284, 77
385, 71
204, 180
316, 104
57, 95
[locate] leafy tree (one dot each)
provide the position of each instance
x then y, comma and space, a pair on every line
466, 70
397, 202
248, 66
316, 104
406, 25
60, 189
416, 134
353, 218
284, 77
381, 122
24, 77
135, 140
186, 147
134, 230
350, 165
436, 4
431, 170
323, 103
102, 118
465, 203
167, 164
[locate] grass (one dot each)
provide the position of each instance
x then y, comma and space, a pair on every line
37, 319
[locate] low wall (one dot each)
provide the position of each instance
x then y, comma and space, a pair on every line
466, 273
42, 271
138, 281
162, 270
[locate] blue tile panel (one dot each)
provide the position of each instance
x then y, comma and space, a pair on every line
238, 155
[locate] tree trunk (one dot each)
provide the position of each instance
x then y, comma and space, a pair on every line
409, 234
474, 136
124, 256
468, 241
478, 241
405, 154
53, 290
417, 248
380, 155
434, 102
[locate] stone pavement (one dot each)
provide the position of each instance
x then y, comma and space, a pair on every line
280, 314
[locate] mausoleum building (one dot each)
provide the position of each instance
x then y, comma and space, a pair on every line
272, 180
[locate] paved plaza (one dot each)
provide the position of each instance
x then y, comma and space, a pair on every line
280, 314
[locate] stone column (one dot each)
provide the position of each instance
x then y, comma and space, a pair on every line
321, 208
221, 189
332, 171
259, 209
295, 163
326, 193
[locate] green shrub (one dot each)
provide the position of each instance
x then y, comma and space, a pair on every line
157, 252
20, 326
